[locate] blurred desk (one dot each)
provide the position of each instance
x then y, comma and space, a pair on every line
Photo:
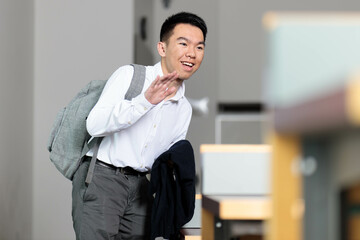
192, 230
190, 234
224, 217
235, 190
195, 222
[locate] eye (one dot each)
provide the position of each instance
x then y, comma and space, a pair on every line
183, 44
200, 47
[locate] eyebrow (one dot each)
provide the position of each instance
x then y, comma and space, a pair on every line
185, 39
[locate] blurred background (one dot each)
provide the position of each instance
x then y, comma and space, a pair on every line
50, 49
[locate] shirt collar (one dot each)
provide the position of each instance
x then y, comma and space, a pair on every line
158, 69
180, 93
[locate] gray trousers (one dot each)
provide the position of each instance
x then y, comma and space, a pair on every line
112, 206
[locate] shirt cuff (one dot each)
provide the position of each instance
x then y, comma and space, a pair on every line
141, 104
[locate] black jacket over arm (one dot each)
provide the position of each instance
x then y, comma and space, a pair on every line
173, 181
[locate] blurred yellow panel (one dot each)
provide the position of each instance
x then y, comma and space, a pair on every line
354, 228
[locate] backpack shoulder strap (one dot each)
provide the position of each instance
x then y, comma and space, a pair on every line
135, 88
90, 172
137, 82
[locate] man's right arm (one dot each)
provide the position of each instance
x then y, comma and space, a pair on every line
112, 113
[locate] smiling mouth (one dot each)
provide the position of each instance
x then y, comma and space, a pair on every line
188, 64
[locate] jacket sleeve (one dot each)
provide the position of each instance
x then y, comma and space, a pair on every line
112, 112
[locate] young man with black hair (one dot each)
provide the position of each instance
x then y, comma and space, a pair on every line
116, 204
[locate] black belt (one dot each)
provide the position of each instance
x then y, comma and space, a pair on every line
123, 170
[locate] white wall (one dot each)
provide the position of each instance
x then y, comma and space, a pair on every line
144, 47
16, 80
75, 42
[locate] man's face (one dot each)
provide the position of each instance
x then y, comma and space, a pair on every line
183, 52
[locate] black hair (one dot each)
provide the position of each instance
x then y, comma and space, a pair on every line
182, 17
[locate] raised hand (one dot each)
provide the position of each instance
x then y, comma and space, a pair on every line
161, 88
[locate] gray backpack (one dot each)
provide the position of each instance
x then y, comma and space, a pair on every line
69, 140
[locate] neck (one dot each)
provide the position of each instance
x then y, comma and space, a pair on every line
177, 83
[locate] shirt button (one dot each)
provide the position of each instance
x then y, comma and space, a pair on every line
145, 145
129, 122
154, 125
145, 108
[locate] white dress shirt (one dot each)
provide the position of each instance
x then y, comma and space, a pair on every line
136, 132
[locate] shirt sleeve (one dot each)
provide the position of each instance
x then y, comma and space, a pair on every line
112, 113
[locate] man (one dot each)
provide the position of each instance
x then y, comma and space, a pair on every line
116, 204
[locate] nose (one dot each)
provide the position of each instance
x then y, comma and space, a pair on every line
190, 53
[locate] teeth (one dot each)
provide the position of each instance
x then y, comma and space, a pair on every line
188, 64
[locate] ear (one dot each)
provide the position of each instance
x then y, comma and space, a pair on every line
161, 47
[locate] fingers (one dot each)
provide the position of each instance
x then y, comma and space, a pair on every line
161, 88
171, 76
168, 78
156, 81
169, 91
163, 82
